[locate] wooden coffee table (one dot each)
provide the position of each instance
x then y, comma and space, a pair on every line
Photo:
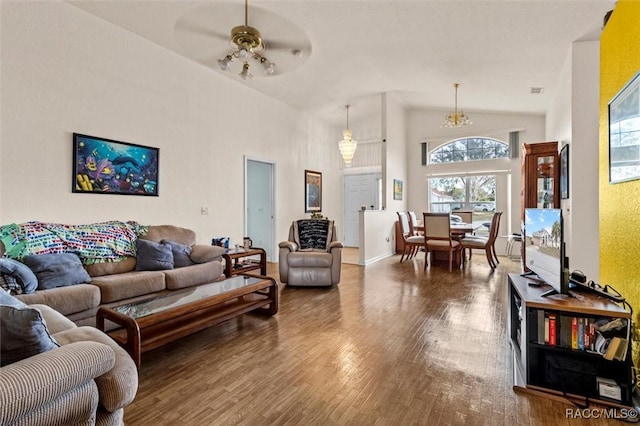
154, 322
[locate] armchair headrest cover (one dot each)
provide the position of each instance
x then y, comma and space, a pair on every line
312, 234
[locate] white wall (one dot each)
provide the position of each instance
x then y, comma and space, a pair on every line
66, 71
377, 230
395, 145
573, 118
424, 126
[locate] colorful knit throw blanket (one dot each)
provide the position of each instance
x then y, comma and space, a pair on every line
93, 243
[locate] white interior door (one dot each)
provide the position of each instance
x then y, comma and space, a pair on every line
260, 205
358, 190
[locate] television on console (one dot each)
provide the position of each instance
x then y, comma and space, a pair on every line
544, 248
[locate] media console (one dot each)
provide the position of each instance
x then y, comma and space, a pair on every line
565, 369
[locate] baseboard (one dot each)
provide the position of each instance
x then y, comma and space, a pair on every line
377, 258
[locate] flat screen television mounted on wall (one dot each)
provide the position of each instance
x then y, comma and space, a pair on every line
544, 247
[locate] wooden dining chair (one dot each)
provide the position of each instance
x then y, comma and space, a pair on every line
413, 223
437, 236
466, 216
484, 243
412, 243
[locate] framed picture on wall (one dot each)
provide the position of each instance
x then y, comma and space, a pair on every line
564, 172
312, 191
624, 133
397, 189
106, 166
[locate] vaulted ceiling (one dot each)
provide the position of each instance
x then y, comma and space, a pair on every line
354, 50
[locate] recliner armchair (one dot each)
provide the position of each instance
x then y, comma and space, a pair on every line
306, 259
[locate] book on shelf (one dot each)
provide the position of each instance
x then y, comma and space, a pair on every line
581, 333
541, 327
546, 328
565, 331
592, 334
612, 348
552, 329
621, 353
574, 333
617, 349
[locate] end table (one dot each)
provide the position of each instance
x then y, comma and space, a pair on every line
234, 265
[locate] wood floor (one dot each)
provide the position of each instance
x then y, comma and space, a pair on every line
390, 345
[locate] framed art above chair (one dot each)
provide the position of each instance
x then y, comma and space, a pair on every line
312, 191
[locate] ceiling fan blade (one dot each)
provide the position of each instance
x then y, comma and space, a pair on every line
283, 45
199, 29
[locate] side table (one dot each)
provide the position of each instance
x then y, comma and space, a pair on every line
234, 266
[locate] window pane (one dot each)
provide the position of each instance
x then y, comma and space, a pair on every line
470, 149
502, 151
449, 195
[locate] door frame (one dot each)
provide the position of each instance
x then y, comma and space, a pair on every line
272, 242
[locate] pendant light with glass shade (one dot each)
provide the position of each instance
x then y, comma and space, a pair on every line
347, 145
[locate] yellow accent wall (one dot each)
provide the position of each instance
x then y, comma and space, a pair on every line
619, 203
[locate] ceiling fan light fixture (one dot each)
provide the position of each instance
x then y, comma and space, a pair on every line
224, 63
456, 118
246, 73
269, 67
248, 45
244, 53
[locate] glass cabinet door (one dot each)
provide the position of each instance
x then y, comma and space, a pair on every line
545, 182
539, 184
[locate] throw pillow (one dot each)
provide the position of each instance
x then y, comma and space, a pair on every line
23, 331
313, 234
181, 253
57, 270
20, 273
152, 256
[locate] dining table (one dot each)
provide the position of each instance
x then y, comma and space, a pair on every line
458, 232
457, 229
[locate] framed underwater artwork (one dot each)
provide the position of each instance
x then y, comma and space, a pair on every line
105, 166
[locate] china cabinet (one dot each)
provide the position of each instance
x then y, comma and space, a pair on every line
540, 183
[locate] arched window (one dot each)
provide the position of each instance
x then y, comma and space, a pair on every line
468, 149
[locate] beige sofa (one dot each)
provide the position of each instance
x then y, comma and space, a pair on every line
88, 380
116, 283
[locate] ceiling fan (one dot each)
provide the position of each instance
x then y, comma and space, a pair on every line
248, 44
196, 30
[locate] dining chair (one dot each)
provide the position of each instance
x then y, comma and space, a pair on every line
413, 223
412, 243
466, 216
484, 243
437, 236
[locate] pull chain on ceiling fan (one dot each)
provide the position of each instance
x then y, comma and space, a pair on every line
248, 45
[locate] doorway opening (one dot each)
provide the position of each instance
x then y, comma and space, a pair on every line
260, 205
